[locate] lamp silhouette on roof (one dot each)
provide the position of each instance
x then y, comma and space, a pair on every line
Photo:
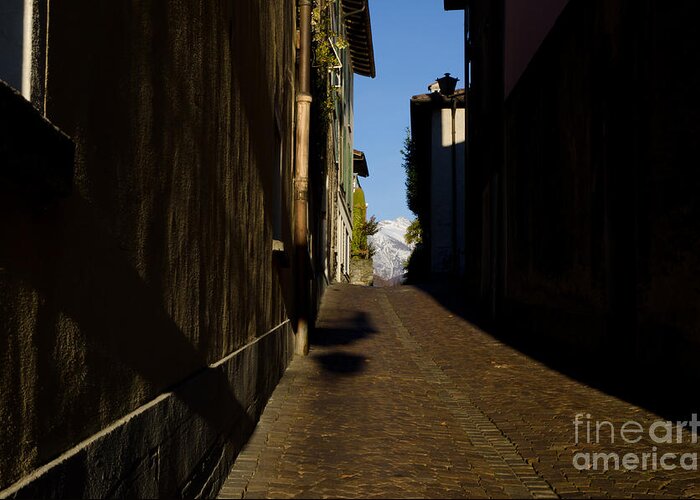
448, 84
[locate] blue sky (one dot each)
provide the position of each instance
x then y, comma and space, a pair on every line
415, 42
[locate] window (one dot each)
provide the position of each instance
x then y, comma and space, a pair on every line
23, 46
12, 42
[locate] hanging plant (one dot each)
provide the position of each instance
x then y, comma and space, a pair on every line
325, 59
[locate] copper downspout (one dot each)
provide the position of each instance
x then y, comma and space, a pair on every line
301, 179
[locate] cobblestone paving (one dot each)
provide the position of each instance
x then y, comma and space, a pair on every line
401, 398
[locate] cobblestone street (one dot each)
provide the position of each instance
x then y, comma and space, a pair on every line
400, 397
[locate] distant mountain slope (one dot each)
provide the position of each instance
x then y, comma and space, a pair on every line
391, 251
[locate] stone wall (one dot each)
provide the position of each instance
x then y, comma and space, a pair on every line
361, 272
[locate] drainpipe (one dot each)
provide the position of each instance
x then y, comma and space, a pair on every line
455, 258
301, 178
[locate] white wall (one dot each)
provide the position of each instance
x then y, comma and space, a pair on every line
441, 189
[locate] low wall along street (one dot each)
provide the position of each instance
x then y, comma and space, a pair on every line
195, 430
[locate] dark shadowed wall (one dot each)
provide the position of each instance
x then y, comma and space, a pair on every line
145, 312
527, 23
597, 233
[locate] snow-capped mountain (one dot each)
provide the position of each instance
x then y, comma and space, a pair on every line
391, 250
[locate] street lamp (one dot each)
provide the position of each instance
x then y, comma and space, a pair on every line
448, 84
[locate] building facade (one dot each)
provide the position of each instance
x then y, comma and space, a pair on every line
147, 274
581, 209
353, 53
438, 133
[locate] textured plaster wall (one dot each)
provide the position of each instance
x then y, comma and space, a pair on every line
159, 263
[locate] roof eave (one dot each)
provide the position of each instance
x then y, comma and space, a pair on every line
359, 33
359, 164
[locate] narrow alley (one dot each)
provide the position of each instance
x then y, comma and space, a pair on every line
349, 248
401, 397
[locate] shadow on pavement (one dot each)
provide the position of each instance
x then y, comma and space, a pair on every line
343, 331
654, 388
341, 363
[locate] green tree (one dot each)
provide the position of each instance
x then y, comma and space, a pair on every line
410, 165
360, 246
414, 233
417, 201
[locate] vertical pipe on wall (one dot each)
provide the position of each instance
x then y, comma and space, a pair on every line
453, 152
27, 31
45, 55
301, 178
